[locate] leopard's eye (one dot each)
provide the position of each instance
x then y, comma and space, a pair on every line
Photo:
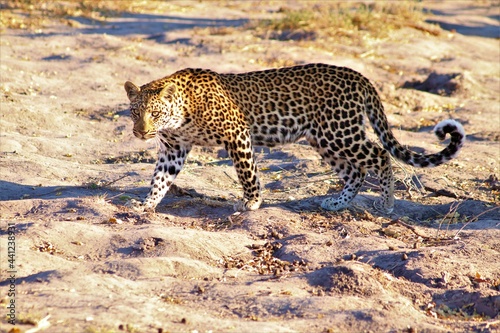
155, 114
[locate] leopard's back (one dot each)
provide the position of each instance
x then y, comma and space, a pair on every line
282, 105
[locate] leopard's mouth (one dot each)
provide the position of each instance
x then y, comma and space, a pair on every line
144, 135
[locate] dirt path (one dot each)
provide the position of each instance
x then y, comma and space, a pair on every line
84, 262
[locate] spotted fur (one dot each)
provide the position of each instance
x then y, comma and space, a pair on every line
323, 103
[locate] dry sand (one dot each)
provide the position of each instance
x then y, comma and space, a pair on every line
87, 263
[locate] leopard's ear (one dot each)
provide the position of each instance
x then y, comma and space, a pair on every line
168, 91
132, 90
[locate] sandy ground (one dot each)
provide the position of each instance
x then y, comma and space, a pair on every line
84, 262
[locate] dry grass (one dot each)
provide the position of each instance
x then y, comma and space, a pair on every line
36, 14
350, 23
33, 14
344, 22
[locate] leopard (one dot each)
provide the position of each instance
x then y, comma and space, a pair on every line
324, 104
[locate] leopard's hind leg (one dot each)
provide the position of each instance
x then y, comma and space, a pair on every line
353, 177
379, 161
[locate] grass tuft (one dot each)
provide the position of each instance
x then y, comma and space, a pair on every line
345, 22
36, 14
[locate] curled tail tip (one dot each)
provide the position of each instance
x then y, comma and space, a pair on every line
456, 131
452, 127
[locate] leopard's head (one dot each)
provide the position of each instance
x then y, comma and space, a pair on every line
154, 108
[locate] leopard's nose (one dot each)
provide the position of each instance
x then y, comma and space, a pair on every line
140, 134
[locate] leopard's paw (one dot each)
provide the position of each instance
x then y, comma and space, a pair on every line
135, 205
333, 204
140, 207
381, 206
245, 205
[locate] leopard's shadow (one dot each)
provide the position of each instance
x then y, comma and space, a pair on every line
195, 204
191, 203
413, 210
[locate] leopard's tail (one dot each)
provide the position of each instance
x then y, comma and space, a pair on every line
378, 120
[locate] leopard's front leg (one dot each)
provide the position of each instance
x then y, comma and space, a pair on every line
242, 155
168, 166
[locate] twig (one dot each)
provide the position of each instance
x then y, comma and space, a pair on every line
452, 211
489, 323
407, 180
474, 219
441, 192
412, 228
113, 181
41, 325
230, 177
115, 196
